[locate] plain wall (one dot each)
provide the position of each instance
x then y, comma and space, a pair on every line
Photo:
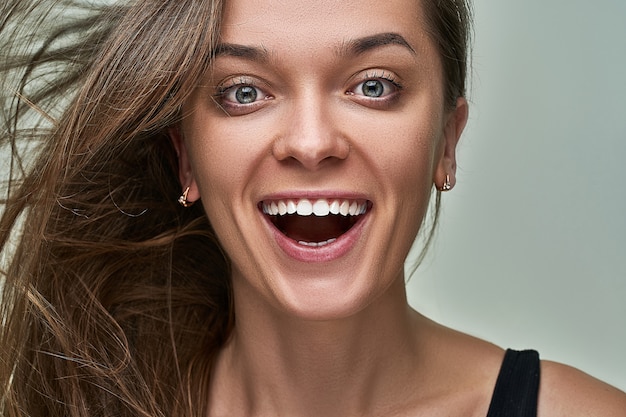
531, 245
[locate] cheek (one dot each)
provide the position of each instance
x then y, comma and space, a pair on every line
407, 160
219, 159
218, 171
404, 153
413, 179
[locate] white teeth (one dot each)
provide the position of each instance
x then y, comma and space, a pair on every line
291, 207
316, 244
282, 208
305, 208
320, 207
344, 208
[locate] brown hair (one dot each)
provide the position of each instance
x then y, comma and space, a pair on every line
449, 24
115, 300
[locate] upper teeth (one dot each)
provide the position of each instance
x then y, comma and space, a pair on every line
319, 207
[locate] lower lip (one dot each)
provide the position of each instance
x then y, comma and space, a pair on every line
330, 252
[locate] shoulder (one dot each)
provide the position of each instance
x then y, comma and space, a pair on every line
568, 392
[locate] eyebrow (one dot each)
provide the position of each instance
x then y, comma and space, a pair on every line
365, 44
241, 51
353, 47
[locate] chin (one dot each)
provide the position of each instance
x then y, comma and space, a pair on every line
329, 296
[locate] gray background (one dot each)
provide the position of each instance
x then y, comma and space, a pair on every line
532, 241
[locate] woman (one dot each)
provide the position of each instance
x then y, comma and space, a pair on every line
304, 140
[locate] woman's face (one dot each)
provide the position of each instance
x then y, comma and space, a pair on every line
314, 143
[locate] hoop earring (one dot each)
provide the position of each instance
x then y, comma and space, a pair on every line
183, 199
447, 186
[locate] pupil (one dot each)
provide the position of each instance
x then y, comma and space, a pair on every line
246, 95
373, 88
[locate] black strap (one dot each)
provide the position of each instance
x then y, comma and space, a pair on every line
517, 387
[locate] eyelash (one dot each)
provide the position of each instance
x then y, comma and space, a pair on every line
383, 100
234, 84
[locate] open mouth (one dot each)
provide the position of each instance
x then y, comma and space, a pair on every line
314, 223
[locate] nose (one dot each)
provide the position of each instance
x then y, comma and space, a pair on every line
311, 136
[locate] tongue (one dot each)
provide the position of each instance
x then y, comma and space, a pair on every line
313, 228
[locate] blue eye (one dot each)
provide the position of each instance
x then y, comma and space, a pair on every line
241, 94
376, 88
246, 94
372, 88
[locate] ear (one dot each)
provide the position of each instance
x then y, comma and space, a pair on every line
185, 173
455, 123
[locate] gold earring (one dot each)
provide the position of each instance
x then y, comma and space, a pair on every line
183, 199
447, 186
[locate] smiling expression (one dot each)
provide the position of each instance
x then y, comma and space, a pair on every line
314, 142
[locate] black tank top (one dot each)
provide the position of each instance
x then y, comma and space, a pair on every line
517, 387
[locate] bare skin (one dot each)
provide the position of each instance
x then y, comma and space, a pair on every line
321, 369
285, 115
566, 391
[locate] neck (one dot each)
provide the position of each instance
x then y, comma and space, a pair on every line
278, 365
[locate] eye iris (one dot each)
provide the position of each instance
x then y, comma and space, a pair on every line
246, 94
373, 88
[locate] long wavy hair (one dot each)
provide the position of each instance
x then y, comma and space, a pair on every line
115, 299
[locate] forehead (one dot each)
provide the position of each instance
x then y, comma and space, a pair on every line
313, 25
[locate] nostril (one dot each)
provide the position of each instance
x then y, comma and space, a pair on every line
311, 151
